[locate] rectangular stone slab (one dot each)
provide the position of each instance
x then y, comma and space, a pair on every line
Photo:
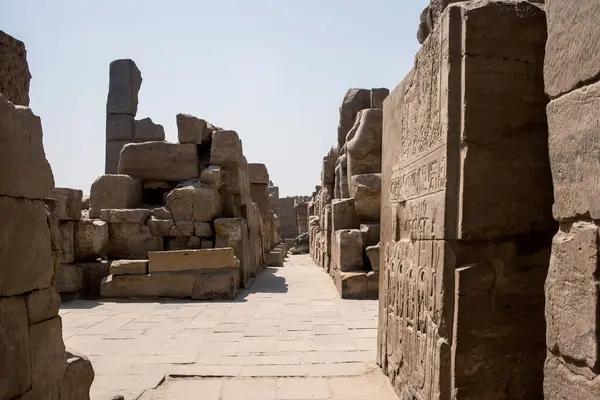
191, 260
159, 161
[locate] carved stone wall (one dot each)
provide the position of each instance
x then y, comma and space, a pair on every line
572, 69
466, 209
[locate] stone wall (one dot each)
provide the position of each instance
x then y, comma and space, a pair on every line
288, 224
34, 363
572, 69
466, 215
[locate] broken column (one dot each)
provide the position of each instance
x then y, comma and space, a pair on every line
33, 360
466, 209
571, 75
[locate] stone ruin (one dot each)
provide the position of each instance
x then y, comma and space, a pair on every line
182, 220
344, 214
34, 363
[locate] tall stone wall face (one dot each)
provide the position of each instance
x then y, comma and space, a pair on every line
572, 69
288, 224
466, 209
33, 360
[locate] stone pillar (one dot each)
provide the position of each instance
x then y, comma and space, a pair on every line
466, 215
301, 217
572, 68
33, 360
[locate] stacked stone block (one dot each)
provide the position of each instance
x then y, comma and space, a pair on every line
125, 81
34, 363
466, 208
571, 72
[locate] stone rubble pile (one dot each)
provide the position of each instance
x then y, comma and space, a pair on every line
196, 205
344, 213
34, 363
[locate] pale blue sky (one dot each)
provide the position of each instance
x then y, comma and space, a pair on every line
275, 71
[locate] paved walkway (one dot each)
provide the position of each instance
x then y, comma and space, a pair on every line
289, 336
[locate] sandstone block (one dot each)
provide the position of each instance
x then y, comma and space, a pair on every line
194, 243
69, 279
112, 155
364, 150
68, 203
85, 203
274, 258
47, 355
42, 305
114, 192
203, 229
573, 126
14, 82
560, 382
190, 260
572, 294
366, 191
15, 368
25, 246
258, 174
120, 127
370, 233
67, 233
125, 80
176, 243
161, 213
93, 273
91, 239
211, 176
328, 167
194, 202
233, 232
182, 228
348, 251
220, 285
226, 148
572, 51
131, 241
78, 378
352, 285
160, 227
25, 170
193, 130
378, 95
159, 161
155, 285
146, 130
129, 267
373, 254
234, 180
343, 214
125, 216
354, 101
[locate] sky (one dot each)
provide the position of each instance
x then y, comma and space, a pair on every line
275, 71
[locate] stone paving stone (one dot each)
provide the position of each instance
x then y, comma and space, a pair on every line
252, 346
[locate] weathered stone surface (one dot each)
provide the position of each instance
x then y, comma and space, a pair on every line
343, 214
91, 239
160, 227
85, 203
113, 154
354, 101
193, 130
67, 234
78, 378
129, 267
235, 180
68, 203
194, 202
560, 382
352, 285
69, 279
122, 216
573, 127
220, 285
14, 82
328, 167
182, 228
226, 148
25, 170
373, 254
203, 229
93, 273
366, 191
15, 367
159, 285
371, 233
131, 241
159, 161
25, 246
114, 192
274, 258
191, 260
47, 354
378, 95
42, 304
572, 294
211, 176
119, 127
161, 213
348, 253
125, 80
364, 150
258, 174
233, 232
572, 50
147, 130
